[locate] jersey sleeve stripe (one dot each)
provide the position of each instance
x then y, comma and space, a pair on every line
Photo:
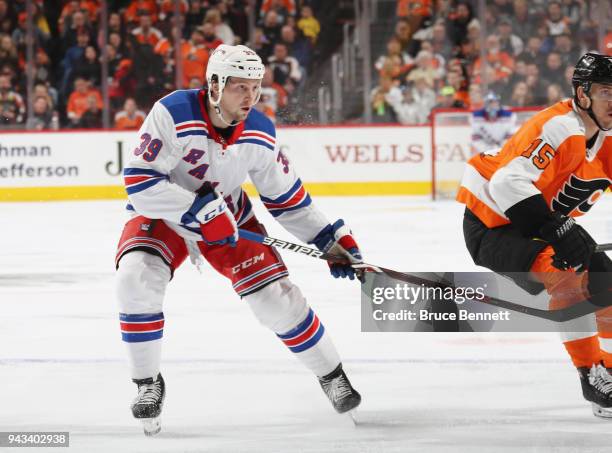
286, 196
260, 134
188, 132
141, 171
132, 188
277, 212
256, 141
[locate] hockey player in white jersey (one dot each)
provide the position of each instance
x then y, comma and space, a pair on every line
492, 125
195, 149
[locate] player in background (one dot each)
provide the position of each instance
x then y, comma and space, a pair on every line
195, 149
520, 209
491, 125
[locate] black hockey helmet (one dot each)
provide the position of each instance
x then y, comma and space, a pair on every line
591, 68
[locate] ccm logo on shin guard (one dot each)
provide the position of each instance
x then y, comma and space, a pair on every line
247, 263
294, 247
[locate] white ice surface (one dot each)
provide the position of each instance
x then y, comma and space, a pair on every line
233, 387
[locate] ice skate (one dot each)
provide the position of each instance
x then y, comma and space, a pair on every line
148, 404
341, 394
597, 388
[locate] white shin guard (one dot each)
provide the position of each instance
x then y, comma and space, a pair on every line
140, 288
281, 307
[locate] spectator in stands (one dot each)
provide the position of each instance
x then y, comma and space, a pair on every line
416, 12
147, 70
146, 33
283, 8
572, 12
522, 19
210, 39
92, 116
404, 106
426, 67
285, 68
440, 42
521, 96
447, 99
222, 30
298, 46
73, 54
509, 42
138, 7
8, 18
394, 63
8, 52
476, 98
566, 86
500, 61
195, 56
19, 35
261, 45
78, 26
114, 39
382, 112
130, 117
424, 96
553, 94
78, 101
42, 115
456, 80
308, 24
272, 27
403, 34
115, 24
88, 66
535, 84
50, 94
166, 11
273, 96
555, 22
520, 72
12, 106
553, 71
458, 22
565, 48
195, 14
533, 50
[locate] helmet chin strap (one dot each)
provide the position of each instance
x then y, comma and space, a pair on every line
590, 111
219, 113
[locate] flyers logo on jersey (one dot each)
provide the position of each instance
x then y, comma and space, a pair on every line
579, 194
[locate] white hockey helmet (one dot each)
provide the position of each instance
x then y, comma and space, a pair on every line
232, 61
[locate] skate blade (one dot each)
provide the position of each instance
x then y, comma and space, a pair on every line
151, 426
353, 416
601, 412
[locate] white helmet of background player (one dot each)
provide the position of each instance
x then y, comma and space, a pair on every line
492, 105
231, 61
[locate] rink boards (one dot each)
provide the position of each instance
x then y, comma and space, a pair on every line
357, 160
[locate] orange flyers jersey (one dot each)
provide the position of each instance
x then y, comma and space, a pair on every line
548, 156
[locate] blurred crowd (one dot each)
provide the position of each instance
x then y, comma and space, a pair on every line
141, 50
433, 58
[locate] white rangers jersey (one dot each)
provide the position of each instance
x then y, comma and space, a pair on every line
488, 136
178, 151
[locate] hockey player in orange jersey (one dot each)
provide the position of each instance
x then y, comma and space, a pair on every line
521, 202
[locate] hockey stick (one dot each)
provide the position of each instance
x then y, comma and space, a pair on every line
603, 247
577, 310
